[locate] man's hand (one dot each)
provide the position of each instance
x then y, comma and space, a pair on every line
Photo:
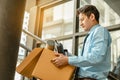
60, 60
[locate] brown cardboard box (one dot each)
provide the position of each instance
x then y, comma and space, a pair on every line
38, 64
46, 70
28, 64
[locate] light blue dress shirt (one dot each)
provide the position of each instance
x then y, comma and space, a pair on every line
96, 59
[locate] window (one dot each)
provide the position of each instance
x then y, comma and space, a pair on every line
115, 47
67, 44
58, 20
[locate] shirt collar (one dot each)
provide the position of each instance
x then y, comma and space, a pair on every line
93, 28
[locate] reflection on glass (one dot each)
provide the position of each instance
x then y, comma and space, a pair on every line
58, 20
108, 16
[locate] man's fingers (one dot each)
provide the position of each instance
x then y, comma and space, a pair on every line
53, 60
57, 54
56, 62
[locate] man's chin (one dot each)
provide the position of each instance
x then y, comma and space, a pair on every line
85, 29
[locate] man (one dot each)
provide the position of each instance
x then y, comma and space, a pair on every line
94, 61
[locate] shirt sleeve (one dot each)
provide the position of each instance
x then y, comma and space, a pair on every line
97, 50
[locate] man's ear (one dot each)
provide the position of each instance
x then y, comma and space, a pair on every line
92, 16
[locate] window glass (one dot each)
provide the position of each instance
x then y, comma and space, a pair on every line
108, 16
58, 20
115, 48
67, 44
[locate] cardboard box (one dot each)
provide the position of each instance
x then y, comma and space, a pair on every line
46, 70
38, 64
26, 67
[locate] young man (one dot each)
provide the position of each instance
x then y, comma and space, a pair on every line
95, 58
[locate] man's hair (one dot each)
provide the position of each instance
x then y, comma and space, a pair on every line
87, 10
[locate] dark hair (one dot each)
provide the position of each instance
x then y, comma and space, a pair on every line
87, 10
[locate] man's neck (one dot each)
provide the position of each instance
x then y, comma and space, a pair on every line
95, 23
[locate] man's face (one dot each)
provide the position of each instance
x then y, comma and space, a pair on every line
85, 22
